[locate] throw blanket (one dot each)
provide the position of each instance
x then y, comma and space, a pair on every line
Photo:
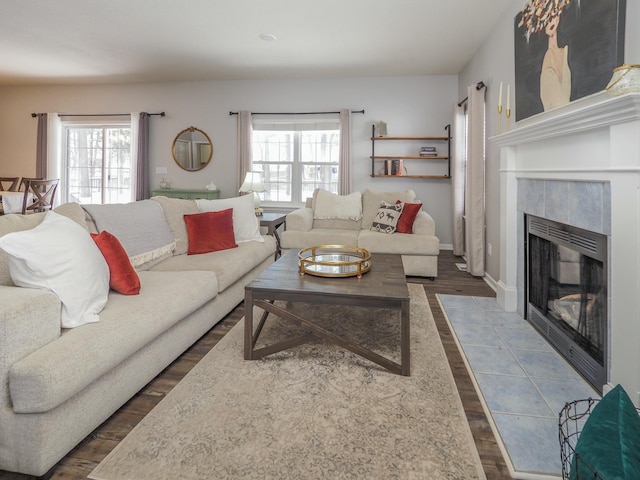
345, 207
140, 226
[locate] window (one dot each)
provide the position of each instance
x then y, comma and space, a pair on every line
98, 163
295, 158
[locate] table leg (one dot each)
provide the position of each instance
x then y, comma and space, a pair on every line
405, 338
248, 324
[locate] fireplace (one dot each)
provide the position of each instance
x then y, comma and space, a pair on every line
579, 165
566, 293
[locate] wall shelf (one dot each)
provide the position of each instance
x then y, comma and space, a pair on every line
381, 168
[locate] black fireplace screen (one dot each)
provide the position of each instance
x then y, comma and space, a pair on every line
569, 288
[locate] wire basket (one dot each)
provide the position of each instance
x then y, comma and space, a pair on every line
571, 420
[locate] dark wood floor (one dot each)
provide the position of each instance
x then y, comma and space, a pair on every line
84, 458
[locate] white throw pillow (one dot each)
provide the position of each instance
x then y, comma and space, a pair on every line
59, 255
330, 205
246, 227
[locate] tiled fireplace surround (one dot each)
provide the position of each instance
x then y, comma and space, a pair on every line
579, 165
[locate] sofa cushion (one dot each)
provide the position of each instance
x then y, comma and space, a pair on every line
387, 217
59, 255
246, 226
318, 236
122, 276
337, 223
54, 373
140, 226
399, 243
210, 231
174, 211
16, 223
229, 265
371, 200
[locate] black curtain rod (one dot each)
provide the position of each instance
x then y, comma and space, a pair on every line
161, 114
296, 113
479, 85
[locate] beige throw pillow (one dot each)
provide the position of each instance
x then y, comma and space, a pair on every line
387, 217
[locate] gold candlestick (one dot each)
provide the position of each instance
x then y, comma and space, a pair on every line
499, 119
508, 115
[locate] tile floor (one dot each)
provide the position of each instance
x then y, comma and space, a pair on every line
523, 380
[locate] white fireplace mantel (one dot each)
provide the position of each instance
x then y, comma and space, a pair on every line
594, 139
592, 112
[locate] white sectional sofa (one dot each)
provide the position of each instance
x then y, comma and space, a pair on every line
58, 384
419, 249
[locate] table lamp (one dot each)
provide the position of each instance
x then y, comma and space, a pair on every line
253, 184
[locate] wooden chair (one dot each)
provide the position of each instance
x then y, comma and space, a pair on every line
39, 195
23, 182
9, 184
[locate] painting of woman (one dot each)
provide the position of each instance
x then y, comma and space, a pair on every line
565, 50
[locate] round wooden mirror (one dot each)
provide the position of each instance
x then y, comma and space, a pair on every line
192, 149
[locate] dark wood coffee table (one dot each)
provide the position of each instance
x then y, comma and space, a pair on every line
385, 286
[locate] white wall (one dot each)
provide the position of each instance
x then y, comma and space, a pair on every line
414, 105
494, 63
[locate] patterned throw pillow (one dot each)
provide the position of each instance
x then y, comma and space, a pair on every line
387, 217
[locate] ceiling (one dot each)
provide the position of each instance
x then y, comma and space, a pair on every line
130, 41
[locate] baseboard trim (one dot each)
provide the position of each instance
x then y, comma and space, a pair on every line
489, 280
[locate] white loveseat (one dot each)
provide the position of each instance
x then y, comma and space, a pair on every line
419, 249
57, 384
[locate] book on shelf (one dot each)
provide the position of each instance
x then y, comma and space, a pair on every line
394, 167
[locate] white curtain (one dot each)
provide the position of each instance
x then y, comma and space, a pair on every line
244, 145
458, 174
474, 191
54, 156
345, 184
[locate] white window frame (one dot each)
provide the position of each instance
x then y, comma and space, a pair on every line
97, 123
297, 125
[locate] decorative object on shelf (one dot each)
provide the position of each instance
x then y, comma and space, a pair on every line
428, 152
508, 110
381, 129
253, 184
334, 261
625, 79
211, 186
164, 183
500, 110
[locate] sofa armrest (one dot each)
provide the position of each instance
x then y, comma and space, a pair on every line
29, 319
300, 220
424, 224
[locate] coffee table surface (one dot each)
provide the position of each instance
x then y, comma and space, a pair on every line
385, 283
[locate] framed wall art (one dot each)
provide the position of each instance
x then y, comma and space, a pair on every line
565, 50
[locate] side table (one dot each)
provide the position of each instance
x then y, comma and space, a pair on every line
272, 221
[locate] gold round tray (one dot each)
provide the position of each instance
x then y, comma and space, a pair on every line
334, 261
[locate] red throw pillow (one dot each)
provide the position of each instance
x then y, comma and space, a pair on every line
210, 231
408, 216
122, 276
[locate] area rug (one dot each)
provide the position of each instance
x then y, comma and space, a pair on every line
315, 411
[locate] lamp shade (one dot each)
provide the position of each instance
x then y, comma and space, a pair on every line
252, 183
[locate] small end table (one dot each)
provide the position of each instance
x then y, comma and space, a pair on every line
273, 221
